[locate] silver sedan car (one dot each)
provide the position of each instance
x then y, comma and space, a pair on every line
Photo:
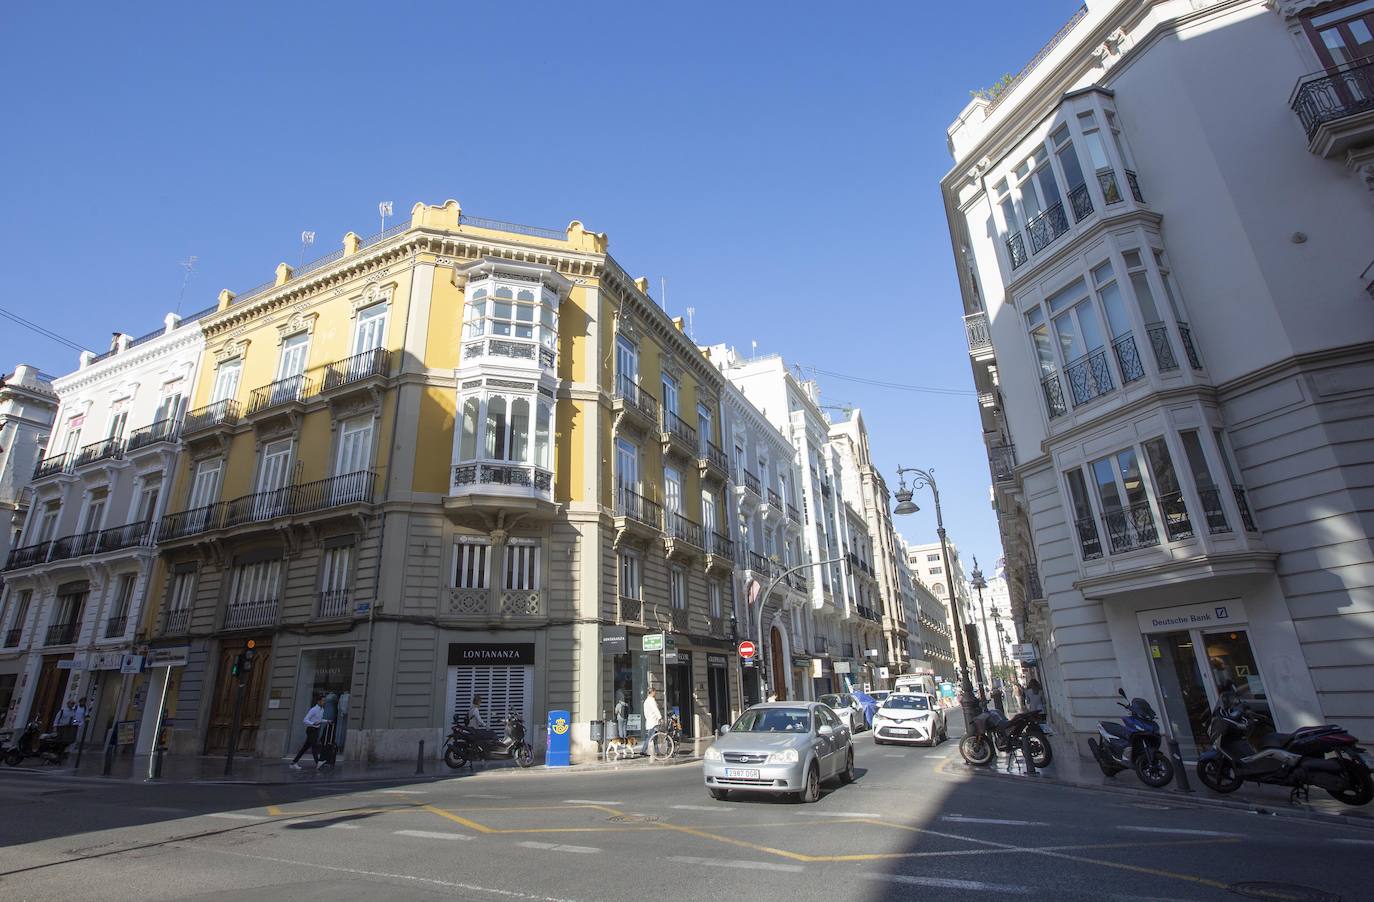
780, 747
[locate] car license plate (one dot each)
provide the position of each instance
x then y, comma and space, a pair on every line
741, 773
901, 731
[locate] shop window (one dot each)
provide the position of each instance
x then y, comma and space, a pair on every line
504, 689
471, 564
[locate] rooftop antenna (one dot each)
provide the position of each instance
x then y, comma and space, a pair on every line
663, 292
691, 324
307, 239
384, 209
189, 264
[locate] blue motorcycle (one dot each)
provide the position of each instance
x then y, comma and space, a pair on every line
1133, 744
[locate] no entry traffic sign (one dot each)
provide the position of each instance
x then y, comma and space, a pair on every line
746, 649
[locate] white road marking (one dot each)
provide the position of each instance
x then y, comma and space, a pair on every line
485, 795
341, 826
558, 847
834, 814
237, 816
430, 834
1179, 831
402, 792
589, 802
946, 883
428, 881
700, 808
737, 863
1356, 842
960, 819
941, 757
893, 755
162, 809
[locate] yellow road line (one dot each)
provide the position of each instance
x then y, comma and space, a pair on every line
472, 825
273, 810
692, 831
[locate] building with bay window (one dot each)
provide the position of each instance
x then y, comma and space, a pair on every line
80, 576
1164, 255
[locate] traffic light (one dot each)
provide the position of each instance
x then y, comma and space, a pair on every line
243, 662
237, 667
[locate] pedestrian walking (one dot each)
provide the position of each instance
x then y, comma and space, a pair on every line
653, 719
66, 717
313, 719
1034, 701
997, 697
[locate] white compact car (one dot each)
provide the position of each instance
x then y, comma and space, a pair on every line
910, 717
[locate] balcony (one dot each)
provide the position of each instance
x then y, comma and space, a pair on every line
1016, 251
682, 537
334, 604
130, 535
28, 555
12, 637
1003, 461
631, 610
1134, 184
1162, 347
495, 605
52, 465
106, 449
1082, 203
1089, 377
750, 483
1213, 511
1186, 336
1243, 505
677, 437
115, 627
1131, 528
1034, 591
713, 462
637, 515
190, 522
216, 415
758, 563
292, 390
979, 336
249, 615
486, 486
679, 620
1088, 541
1053, 389
359, 373
720, 552
1336, 108
1128, 358
161, 431
510, 349
62, 633
631, 403
176, 623
290, 501
1046, 227
1106, 180
793, 514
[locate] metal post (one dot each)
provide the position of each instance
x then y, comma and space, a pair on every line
1026, 754
111, 746
234, 731
155, 760
1180, 772
763, 600
86, 726
420, 758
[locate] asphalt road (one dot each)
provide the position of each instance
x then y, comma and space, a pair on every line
914, 826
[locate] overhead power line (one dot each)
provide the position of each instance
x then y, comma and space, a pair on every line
46, 333
899, 386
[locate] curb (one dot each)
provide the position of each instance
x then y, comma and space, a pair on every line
953, 767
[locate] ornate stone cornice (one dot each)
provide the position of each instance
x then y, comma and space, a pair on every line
186, 336
1291, 8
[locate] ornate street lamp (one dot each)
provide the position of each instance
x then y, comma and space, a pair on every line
921, 479
980, 584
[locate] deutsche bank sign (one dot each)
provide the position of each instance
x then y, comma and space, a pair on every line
1192, 616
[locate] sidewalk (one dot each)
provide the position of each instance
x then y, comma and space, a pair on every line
1069, 769
277, 771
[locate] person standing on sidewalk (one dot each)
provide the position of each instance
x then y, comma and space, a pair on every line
313, 719
1034, 701
653, 719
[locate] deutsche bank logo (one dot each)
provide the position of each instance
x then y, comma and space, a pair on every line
1221, 613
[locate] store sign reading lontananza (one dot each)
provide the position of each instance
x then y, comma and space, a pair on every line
491, 653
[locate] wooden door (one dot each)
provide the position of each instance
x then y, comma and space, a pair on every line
226, 687
47, 696
777, 677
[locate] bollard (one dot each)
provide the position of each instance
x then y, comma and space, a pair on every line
108, 764
1180, 772
420, 758
1026, 754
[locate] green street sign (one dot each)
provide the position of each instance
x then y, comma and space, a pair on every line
653, 642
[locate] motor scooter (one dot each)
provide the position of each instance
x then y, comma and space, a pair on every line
465, 744
51, 748
1133, 744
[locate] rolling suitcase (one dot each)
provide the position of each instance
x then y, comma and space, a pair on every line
329, 748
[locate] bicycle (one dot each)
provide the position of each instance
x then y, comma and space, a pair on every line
664, 744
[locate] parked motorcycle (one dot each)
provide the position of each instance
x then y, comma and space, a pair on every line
991, 732
51, 748
1246, 747
465, 744
1133, 744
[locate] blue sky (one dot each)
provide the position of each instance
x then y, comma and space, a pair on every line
777, 164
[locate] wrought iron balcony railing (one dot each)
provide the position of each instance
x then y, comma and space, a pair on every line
1185, 334
685, 530
1128, 358
355, 369
715, 456
1334, 94
105, 449
73, 546
1034, 591
758, 563
161, 431
775, 500
292, 500
130, 535
62, 633
1163, 348
115, 627
28, 555
1055, 405
634, 506
12, 636
176, 622
1003, 460
1134, 184
792, 513
631, 609
1106, 180
1131, 527
1245, 516
751, 482
677, 427
629, 391
217, 413
250, 614
1016, 250
1090, 376
1177, 524
191, 522
335, 603
976, 329
1082, 203
283, 391
1046, 227
52, 465
1212, 510
1088, 541
488, 473
722, 546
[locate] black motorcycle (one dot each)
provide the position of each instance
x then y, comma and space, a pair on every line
1133, 744
991, 732
51, 748
465, 744
1246, 747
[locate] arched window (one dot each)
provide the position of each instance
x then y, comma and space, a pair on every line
474, 324
471, 415
496, 429
519, 447
939, 590
541, 437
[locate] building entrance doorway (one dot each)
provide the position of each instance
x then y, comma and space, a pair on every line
226, 688
718, 691
777, 671
1192, 667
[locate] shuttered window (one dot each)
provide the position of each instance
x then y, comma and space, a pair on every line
503, 689
471, 563
522, 565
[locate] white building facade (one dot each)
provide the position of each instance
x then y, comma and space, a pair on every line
932, 647
1164, 251
79, 579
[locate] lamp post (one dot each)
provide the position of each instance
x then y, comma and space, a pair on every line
920, 479
763, 600
979, 583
